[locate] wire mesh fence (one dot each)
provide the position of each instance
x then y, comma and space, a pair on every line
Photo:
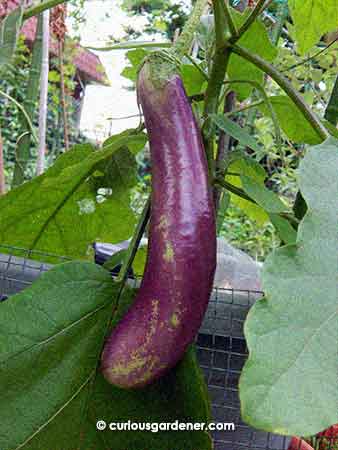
221, 347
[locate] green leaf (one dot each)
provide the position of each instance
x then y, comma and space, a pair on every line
119, 173
289, 384
51, 338
224, 204
255, 39
312, 19
244, 165
9, 33
134, 146
287, 234
135, 58
140, 260
181, 395
331, 128
292, 121
192, 78
234, 130
61, 212
267, 199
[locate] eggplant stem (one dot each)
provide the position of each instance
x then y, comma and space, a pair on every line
184, 41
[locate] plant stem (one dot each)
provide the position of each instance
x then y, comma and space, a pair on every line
222, 17
244, 108
201, 71
268, 103
184, 41
223, 148
24, 112
229, 19
281, 16
286, 86
234, 189
240, 193
212, 94
133, 246
216, 79
35, 10
131, 45
258, 9
304, 61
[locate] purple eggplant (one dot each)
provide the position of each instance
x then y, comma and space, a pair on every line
174, 293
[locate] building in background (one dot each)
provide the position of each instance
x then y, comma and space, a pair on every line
89, 69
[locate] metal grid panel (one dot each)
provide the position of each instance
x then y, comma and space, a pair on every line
220, 344
222, 352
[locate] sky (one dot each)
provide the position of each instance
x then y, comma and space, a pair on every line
101, 102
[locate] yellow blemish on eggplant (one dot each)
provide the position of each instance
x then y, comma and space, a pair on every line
169, 253
137, 359
153, 319
174, 320
163, 223
152, 362
122, 369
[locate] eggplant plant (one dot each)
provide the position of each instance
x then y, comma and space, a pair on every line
77, 346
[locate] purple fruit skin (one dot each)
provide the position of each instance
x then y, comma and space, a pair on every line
169, 307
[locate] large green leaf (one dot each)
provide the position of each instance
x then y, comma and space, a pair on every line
180, 395
255, 39
9, 32
51, 336
289, 384
233, 129
52, 395
63, 212
292, 121
312, 19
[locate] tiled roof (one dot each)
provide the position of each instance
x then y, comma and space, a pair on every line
87, 63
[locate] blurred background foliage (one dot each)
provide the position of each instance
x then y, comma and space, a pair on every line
14, 83
313, 76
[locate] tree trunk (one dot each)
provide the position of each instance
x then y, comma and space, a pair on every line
43, 109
